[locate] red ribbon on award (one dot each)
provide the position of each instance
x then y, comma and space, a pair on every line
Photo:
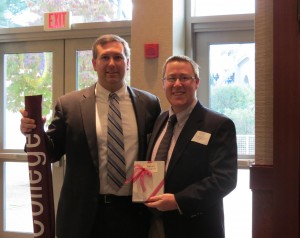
141, 174
40, 174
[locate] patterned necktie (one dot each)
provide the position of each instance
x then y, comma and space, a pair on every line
116, 166
162, 151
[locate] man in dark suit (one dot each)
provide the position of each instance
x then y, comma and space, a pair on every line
201, 163
89, 206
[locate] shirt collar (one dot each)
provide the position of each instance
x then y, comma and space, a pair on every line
183, 115
102, 93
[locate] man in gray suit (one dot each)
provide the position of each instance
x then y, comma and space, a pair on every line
89, 206
201, 162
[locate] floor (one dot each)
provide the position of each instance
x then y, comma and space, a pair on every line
237, 205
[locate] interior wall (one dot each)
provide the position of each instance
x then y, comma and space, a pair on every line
160, 22
264, 82
261, 173
275, 178
286, 118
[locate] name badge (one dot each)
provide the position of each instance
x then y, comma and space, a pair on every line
201, 137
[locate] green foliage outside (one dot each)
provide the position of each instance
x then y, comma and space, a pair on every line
28, 74
32, 74
237, 102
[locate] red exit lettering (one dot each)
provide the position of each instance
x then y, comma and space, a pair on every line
57, 20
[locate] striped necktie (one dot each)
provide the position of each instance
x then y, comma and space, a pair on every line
163, 149
116, 165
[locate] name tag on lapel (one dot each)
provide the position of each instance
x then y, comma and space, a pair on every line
201, 137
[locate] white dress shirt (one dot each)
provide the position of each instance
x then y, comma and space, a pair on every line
130, 133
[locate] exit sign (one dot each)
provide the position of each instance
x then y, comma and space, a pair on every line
57, 21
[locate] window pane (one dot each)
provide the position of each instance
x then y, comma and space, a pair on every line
17, 200
221, 7
86, 75
232, 89
25, 74
16, 13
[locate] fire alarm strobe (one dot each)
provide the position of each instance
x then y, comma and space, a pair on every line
151, 51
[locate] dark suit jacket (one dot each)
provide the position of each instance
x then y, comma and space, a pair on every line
199, 175
73, 133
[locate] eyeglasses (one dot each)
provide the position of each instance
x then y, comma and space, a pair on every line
182, 78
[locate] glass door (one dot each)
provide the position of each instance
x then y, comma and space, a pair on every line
26, 68
227, 85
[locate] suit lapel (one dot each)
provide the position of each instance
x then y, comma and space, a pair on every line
158, 127
188, 131
88, 113
139, 110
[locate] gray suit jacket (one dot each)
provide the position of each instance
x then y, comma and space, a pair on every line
199, 175
72, 132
